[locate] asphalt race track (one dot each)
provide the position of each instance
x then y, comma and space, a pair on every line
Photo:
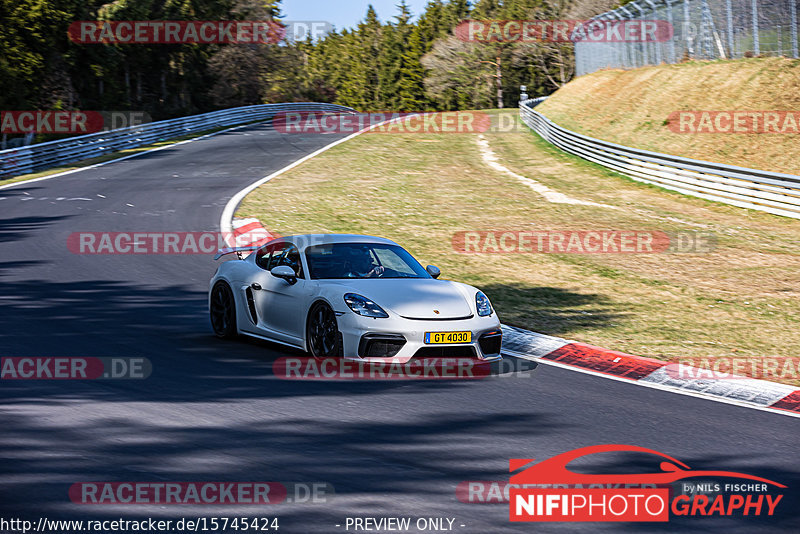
213, 411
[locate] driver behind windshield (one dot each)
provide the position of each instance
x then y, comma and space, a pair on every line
360, 265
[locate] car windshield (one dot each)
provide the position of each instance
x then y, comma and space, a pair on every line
362, 260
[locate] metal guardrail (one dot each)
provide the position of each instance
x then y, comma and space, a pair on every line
32, 158
772, 192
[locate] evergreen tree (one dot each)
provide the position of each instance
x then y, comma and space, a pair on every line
394, 41
370, 41
486, 9
354, 90
411, 89
456, 11
433, 24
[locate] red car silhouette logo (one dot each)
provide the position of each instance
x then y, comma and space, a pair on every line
554, 470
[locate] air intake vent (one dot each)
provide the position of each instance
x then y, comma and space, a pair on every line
491, 342
380, 345
251, 305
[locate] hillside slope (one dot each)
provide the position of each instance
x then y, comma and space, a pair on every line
633, 107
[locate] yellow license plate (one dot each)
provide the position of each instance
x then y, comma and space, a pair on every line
438, 338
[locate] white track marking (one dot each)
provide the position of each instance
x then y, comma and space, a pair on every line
652, 385
491, 159
226, 220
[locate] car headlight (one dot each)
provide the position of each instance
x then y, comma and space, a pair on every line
483, 304
363, 306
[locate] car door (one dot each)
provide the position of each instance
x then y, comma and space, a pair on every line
251, 285
281, 306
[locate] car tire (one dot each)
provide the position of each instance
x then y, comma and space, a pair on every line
323, 338
222, 308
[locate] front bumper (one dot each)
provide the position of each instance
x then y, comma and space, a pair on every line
398, 339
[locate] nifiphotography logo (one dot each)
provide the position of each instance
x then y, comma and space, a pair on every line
580, 497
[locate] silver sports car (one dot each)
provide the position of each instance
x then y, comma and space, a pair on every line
350, 296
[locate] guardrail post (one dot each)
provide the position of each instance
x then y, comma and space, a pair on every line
707, 30
642, 46
756, 44
793, 6
729, 20
687, 21
671, 22
655, 44
629, 45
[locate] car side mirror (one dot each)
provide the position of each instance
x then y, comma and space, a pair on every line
434, 271
285, 272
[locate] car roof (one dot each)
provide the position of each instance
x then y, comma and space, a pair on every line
309, 240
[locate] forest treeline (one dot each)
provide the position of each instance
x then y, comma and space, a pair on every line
410, 62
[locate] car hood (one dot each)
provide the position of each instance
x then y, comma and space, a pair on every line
416, 298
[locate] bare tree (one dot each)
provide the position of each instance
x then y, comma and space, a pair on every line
457, 74
556, 60
239, 71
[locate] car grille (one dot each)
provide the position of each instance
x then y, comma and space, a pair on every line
380, 345
491, 342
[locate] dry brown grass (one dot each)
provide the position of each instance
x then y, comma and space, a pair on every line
419, 190
631, 107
